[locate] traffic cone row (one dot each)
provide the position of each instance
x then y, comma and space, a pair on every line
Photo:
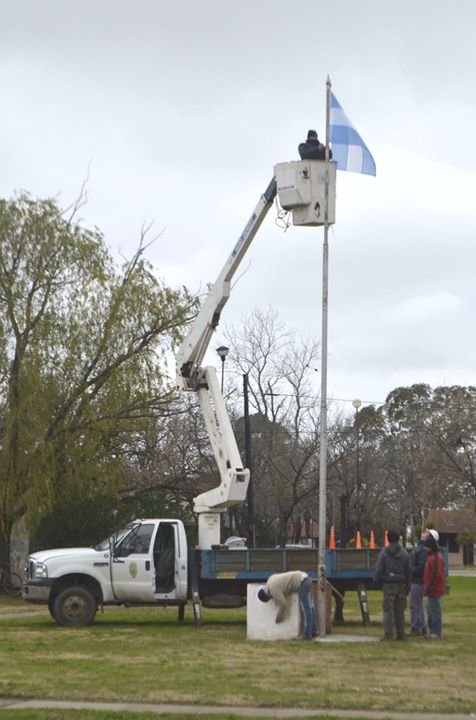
358, 540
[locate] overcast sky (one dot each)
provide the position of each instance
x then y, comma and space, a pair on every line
181, 109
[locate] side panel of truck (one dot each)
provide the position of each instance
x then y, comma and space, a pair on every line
258, 564
150, 564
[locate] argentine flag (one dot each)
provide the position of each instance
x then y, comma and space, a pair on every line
348, 149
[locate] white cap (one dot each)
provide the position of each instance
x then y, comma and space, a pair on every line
434, 534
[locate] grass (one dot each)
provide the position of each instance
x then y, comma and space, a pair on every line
145, 655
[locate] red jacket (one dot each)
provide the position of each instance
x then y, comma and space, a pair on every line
436, 587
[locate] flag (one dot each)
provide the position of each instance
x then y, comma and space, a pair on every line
348, 149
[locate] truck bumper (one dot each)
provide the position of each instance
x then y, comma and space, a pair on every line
37, 591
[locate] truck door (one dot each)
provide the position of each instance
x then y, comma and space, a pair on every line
132, 567
170, 559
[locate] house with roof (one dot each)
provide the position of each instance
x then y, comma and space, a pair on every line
450, 523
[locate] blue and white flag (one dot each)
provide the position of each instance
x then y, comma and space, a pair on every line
348, 149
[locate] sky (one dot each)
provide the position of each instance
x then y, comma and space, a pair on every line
177, 112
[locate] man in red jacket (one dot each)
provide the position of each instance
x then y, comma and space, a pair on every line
434, 586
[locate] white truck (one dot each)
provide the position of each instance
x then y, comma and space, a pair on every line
149, 561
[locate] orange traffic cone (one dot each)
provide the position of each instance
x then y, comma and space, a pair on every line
385, 542
332, 540
372, 540
358, 541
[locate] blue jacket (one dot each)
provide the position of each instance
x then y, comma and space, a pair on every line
418, 560
313, 150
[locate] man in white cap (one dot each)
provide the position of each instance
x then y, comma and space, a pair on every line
280, 587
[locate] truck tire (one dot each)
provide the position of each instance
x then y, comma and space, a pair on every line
75, 605
51, 607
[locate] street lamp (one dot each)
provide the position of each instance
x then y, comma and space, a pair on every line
250, 493
222, 352
356, 404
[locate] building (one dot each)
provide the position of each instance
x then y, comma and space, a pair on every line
449, 524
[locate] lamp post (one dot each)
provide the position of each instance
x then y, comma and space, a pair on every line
222, 352
250, 494
356, 404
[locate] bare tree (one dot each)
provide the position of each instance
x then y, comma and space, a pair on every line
285, 424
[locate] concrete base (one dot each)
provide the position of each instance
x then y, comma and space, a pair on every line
261, 618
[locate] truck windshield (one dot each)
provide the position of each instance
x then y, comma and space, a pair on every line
116, 538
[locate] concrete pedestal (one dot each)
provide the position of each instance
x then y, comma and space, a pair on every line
261, 618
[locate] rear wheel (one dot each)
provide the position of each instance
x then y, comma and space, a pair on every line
12, 583
75, 605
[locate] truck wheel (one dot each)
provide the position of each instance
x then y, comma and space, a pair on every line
51, 607
75, 605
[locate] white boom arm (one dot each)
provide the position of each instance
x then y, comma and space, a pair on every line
193, 348
191, 376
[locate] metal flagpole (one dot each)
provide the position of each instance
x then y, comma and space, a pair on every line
323, 416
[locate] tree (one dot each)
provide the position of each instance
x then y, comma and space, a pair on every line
285, 425
417, 452
82, 349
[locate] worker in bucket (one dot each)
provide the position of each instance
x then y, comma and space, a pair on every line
280, 588
312, 149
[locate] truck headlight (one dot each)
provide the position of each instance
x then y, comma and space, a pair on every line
40, 570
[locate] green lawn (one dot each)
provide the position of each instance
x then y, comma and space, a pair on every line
145, 655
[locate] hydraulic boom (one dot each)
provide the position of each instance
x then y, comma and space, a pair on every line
191, 376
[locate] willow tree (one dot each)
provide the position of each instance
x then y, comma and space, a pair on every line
81, 343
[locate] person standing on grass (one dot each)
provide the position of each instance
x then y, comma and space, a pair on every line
434, 587
280, 587
418, 560
392, 574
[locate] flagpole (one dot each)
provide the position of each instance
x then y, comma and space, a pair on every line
323, 415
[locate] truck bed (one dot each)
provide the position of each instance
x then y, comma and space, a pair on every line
343, 567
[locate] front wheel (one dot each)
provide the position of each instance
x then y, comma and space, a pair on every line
74, 605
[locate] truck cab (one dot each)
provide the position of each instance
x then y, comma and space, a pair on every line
143, 563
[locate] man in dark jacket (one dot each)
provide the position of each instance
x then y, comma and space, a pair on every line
418, 559
392, 573
312, 149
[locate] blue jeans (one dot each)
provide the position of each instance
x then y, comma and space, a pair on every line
434, 615
417, 614
307, 606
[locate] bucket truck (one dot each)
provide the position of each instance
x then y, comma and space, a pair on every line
148, 561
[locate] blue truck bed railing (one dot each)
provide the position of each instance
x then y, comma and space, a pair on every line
258, 564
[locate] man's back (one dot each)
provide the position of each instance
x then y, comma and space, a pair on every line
393, 565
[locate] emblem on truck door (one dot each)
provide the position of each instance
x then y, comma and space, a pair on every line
133, 569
